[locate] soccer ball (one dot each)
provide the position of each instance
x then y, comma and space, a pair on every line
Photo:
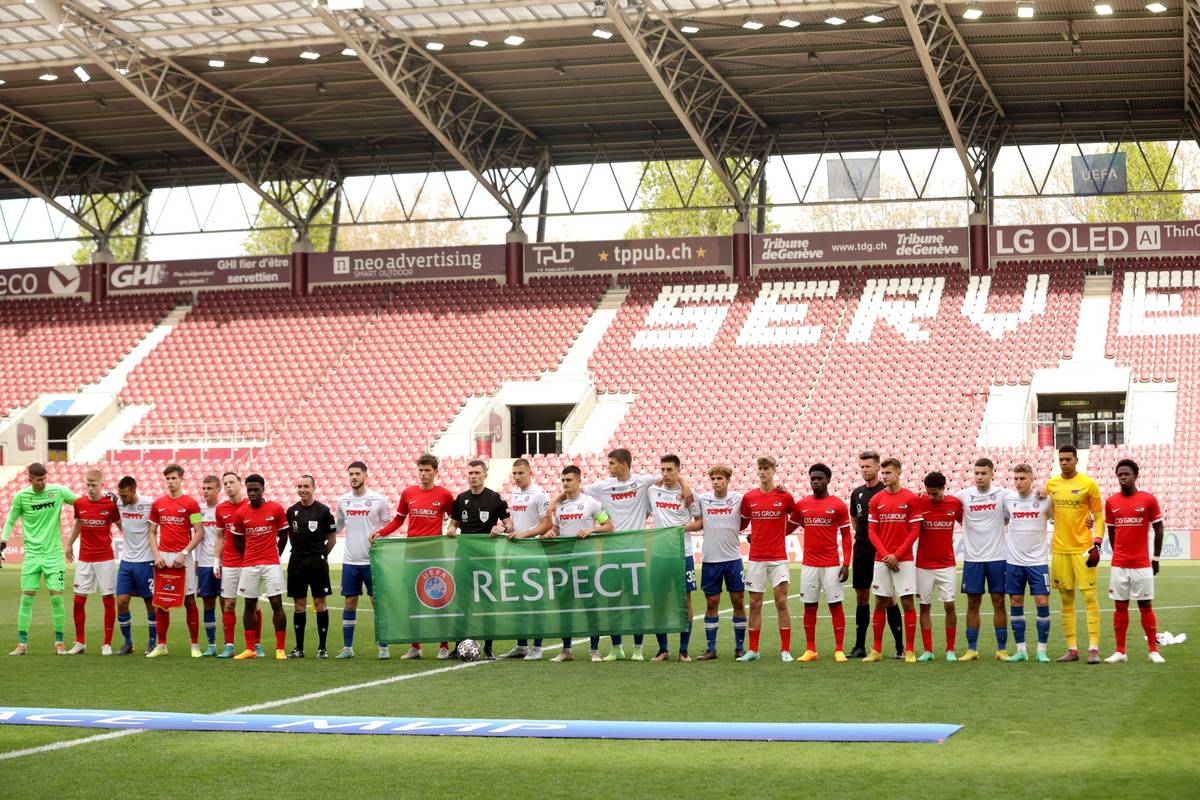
468, 650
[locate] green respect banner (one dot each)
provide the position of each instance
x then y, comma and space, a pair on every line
438, 588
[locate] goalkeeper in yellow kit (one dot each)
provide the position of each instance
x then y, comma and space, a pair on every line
1075, 550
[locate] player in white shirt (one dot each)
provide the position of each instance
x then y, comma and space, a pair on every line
528, 506
138, 553
984, 553
208, 586
671, 504
721, 557
1028, 559
574, 515
360, 513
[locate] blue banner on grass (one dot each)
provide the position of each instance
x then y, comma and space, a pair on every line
527, 728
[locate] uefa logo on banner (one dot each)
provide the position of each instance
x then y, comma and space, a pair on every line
435, 588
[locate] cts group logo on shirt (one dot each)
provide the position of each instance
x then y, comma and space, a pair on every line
435, 587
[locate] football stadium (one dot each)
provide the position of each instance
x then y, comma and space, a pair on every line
600, 397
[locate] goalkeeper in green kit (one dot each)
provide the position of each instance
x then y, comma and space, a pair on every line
39, 507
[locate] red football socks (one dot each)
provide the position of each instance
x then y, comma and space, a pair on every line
280, 639
839, 625
810, 627
251, 639
80, 616
229, 623
785, 639
878, 623
927, 639
951, 635
754, 639
1121, 623
110, 618
162, 621
910, 629
1150, 627
192, 614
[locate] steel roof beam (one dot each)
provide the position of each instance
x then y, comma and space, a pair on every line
508, 160
1191, 65
969, 108
726, 130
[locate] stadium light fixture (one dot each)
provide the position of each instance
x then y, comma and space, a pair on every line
435, 45
258, 58
309, 54
752, 24
216, 62
514, 40
1025, 9
349, 52
345, 5
973, 11
834, 20
2, 81
874, 19
122, 71
601, 32
478, 43
1102, 8
788, 22
1155, 8
82, 74
689, 28
48, 76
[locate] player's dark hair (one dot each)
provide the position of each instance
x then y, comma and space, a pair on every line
213, 479
225, 475
571, 469
254, 477
892, 462
427, 460
522, 462
1068, 448
670, 458
985, 462
37, 469
127, 482
475, 462
622, 455
823, 469
935, 480
1127, 462
310, 479
357, 465
869, 455
172, 469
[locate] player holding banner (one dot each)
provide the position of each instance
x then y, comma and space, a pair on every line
175, 523
529, 506
668, 509
95, 515
39, 508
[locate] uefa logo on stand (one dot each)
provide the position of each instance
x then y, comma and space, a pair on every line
435, 587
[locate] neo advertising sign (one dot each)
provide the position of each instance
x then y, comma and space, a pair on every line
470, 261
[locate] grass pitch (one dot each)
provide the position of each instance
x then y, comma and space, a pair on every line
1030, 729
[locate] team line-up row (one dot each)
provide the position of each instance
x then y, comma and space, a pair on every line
177, 548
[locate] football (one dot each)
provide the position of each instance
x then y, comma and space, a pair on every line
468, 650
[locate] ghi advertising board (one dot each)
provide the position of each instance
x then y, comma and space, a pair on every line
200, 273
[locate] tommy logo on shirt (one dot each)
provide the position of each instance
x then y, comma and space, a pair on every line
570, 517
1026, 514
623, 495
725, 511
358, 512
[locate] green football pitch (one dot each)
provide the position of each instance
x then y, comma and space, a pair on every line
1056, 730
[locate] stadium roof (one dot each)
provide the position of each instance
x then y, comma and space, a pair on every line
799, 83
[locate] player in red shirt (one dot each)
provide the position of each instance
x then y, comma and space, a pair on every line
176, 524
424, 506
893, 525
824, 519
95, 514
228, 562
263, 526
770, 513
1128, 516
936, 568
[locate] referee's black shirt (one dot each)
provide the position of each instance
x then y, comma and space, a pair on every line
478, 513
308, 526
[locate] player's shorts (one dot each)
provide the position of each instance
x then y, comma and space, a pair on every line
689, 573
885, 583
230, 578
52, 570
93, 575
354, 577
308, 573
136, 579
1070, 571
983, 576
940, 580
714, 573
189, 563
761, 576
259, 580
814, 580
1016, 577
1126, 583
862, 566
207, 584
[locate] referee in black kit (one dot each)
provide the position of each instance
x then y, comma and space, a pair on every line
313, 534
479, 510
